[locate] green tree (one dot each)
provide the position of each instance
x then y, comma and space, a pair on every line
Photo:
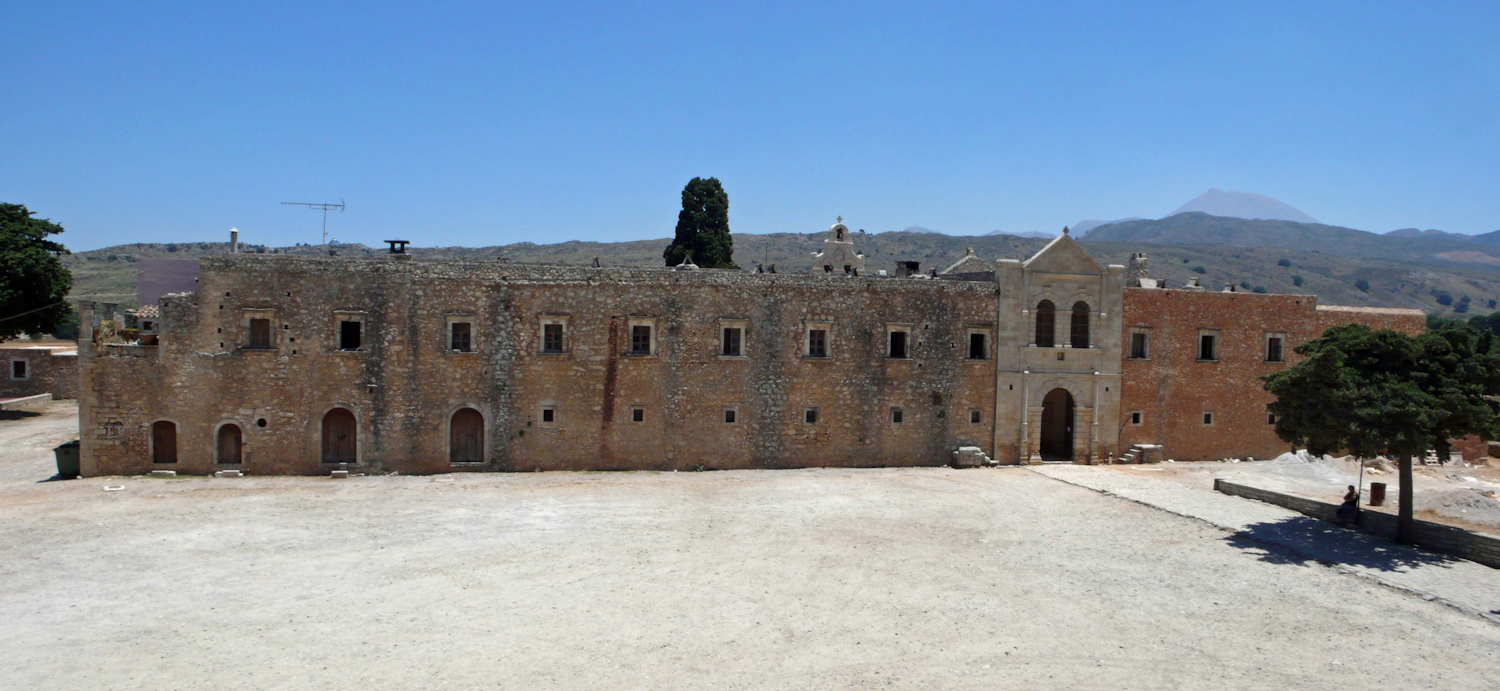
1297, 280
33, 280
1363, 285
1284, 262
1199, 270
703, 227
1383, 392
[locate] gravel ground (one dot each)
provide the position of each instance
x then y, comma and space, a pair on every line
825, 579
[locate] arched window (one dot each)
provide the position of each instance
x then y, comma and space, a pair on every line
1080, 324
1046, 322
466, 437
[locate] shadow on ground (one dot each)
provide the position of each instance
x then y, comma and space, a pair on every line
1300, 540
18, 414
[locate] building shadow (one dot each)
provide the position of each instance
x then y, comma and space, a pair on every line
58, 478
17, 414
1301, 540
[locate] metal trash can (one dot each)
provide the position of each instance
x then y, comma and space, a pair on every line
67, 459
1377, 494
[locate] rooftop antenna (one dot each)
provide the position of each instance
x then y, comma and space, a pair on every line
325, 207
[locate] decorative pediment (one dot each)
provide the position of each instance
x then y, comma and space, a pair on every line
1064, 256
969, 264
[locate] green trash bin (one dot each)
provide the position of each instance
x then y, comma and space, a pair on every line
67, 459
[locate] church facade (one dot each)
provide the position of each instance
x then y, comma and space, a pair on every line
301, 365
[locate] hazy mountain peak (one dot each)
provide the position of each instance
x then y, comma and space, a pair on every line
1236, 204
1082, 228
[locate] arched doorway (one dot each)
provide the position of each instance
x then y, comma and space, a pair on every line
1057, 426
466, 437
231, 444
340, 437
163, 442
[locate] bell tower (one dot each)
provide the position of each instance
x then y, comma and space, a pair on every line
838, 255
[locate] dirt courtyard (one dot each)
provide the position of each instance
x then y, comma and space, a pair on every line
823, 579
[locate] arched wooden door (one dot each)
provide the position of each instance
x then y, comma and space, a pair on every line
340, 437
1057, 426
163, 442
466, 437
231, 444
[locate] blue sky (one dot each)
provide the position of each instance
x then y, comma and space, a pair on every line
484, 124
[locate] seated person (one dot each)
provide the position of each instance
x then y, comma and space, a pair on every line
1349, 508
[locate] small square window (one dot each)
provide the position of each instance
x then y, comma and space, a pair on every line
731, 416
976, 416
1062, 356
549, 414
810, 416
460, 337
1208, 418
1136, 417
637, 414
18, 370
898, 416
732, 346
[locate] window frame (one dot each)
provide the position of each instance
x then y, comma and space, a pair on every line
1280, 347
341, 316
1145, 334
813, 410
541, 414
637, 414
452, 320
1050, 310
976, 416
1208, 418
897, 415
560, 321
728, 413
25, 369
630, 327
1214, 333
1074, 325
989, 343
1136, 418
808, 327
248, 316
906, 341
743, 326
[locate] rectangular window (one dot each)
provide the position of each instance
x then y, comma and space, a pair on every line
1136, 417
18, 369
897, 345
552, 338
549, 414
640, 339
1273, 348
637, 414
350, 334
979, 347
732, 336
1139, 345
1208, 346
810, 416
1208, 418
1270, 418
459, 337
731, 416
817, 343
975, 416
898, 416
260, 334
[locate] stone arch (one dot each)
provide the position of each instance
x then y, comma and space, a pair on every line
338, 435
162, 440
1058, 425
1078, 325
229, 443
1046, 324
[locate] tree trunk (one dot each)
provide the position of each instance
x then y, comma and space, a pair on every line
1403, 515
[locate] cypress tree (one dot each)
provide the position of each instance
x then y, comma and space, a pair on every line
703, 227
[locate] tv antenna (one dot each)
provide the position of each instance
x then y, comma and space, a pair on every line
325, 207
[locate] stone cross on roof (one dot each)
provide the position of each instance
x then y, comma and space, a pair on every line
840, 219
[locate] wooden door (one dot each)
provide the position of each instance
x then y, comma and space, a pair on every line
340, 437
466, 437
164, 442
231, 442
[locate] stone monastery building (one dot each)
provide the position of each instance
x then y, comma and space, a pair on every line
283, 364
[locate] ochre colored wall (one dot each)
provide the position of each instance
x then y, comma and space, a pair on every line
1173, 389
50, 370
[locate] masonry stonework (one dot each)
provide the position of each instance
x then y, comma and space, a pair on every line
41, 369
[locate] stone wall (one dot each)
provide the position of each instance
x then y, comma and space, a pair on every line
48, 369
1173, 389
405, 385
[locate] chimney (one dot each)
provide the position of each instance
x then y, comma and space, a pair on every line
1138, 269
234, 241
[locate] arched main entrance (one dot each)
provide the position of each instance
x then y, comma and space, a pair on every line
230, 444
340, 437
1057, 426
466, 437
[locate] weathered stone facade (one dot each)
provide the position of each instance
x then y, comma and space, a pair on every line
299, 365
1169, 388
32, 370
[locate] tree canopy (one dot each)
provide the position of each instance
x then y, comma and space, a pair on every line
703, 227
33, 280
1374, 393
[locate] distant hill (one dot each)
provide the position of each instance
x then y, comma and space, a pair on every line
1433, 233
1083, 228
1196, 228
1025, 234
1234, 204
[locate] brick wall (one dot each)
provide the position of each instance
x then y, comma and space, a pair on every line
1467, 544
405, 386
48, 370
1173, 389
